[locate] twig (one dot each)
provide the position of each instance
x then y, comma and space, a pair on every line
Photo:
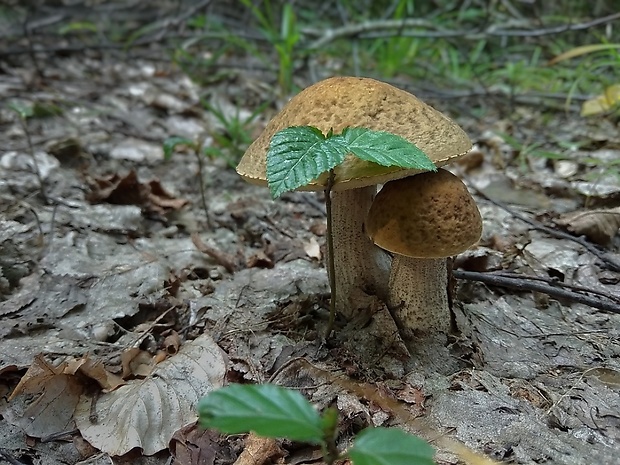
37, 171
394, 27
553, 289
610, 262
352, 30
221, 258
5, 455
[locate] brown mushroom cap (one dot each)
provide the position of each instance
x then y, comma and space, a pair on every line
340, 102
430, 215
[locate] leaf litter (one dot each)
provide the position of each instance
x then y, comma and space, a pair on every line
95, 280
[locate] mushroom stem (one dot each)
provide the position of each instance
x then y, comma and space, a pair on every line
418, 295
358, 263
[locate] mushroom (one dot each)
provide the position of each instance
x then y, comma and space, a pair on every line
423, 219
335, 104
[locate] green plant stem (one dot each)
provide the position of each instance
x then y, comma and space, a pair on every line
330, 254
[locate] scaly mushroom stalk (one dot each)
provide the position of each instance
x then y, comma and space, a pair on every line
418, 295
358, 263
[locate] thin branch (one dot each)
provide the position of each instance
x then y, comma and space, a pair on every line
403, 28
221, 258
353, 30
608, 260
553, 289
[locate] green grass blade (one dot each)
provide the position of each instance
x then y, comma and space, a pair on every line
172, 142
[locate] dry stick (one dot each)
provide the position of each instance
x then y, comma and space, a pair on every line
610, 262
330, 254
523, 283
373, 30
5, 455
35, 163
221, 258
554, 282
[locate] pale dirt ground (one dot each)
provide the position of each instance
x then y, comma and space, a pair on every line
96, 261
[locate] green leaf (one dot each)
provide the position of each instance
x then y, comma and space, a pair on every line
386, 149
300, 154
24, 111
172, 142
390, 446
266, 409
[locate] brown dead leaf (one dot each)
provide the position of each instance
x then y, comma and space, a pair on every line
599, 226
222, 258
94, 369
52, 411
136, 362
312, 248
259, 260
259, 450
128, 190
192, 445
37, 376
172, 342
145, 413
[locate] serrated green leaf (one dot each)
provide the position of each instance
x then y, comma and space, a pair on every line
386, 149
390, 446
300, 154
266, 409
172, 142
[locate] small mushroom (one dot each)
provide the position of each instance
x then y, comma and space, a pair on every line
423, 219
335, 104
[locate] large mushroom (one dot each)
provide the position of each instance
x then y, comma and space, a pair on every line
337, 103
423, 220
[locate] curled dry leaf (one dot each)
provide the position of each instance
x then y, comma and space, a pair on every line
128, 190
145, 413
599, 226
312, 248
60, 389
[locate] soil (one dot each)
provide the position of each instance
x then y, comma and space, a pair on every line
106, 247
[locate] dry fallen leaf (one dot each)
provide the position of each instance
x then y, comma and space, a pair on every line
146, 413
599, 226
128, 190
312, 248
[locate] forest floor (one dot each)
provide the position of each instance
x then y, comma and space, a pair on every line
114, 276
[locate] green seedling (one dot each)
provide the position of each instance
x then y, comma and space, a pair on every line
275, 412
283, 38
171, 144
299, 155
231, 143
525, 150
24, 113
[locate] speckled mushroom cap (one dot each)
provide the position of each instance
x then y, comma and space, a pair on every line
430, 215
340, 102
